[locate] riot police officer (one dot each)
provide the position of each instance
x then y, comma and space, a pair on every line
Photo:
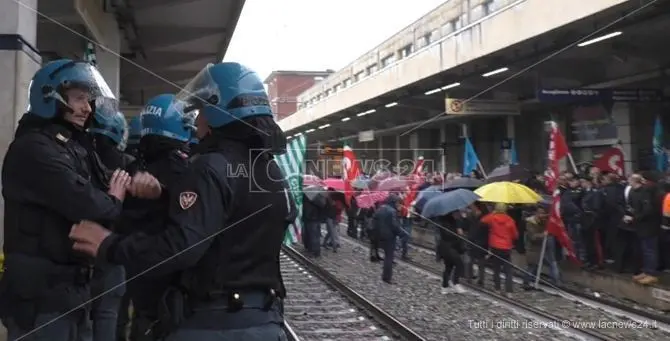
134, 130
223, 234
165, 133
50, 181
109, 133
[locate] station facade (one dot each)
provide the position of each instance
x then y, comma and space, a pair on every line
496, 72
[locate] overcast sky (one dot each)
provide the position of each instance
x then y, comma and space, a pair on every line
317, 34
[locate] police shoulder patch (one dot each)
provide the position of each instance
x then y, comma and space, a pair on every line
187, 199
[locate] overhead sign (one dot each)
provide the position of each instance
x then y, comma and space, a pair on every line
592, 125
599, 95
456, 106
330, 151
366, 136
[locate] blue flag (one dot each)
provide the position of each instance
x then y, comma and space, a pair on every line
513, 157
659, 151
470, 159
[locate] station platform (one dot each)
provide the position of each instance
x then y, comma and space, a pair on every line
619, 286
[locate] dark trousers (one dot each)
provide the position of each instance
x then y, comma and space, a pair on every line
389, 253
109, 284
75, 326
123, 321
478, 260
352, 226
259, 333
649, 248
501, 262
664, 250
627, 251
452, 262
213, 322
591, 243
313, 237
374, 248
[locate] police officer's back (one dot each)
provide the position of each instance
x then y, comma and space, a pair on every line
225, 230
134, 131
51, 181
164, 134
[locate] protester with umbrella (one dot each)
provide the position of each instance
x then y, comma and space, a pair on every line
314, 203
478, 240
447, 207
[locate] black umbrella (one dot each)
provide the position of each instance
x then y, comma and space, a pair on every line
465, 182
508, 173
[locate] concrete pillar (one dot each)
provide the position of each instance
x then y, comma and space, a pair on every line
398, 156
443, 152
414, 145
105, 31
19, 60
380, 149
621, 116
507, 155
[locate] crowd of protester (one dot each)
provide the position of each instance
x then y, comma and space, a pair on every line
615, 224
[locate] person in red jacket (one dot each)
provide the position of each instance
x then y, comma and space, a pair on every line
502, 234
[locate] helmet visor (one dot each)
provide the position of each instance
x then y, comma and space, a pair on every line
106, 107
201, 91
84, 75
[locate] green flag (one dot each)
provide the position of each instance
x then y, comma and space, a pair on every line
292, 164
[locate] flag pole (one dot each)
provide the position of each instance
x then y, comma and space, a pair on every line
481, 169
540, 262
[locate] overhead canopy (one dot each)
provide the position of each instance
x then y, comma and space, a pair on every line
164, 42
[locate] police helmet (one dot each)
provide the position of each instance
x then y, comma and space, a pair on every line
162, 117
224, 93
112, 125
49, 84
134, 130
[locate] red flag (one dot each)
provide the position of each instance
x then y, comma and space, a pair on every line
408, 201
611, 160
558, 149
352, 170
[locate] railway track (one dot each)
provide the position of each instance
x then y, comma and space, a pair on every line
621, 308
578, 315
320, 307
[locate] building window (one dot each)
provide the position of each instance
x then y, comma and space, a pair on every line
371, 69
477, 13
337, 88
406, 51
388, 60
328, 92
448, 28
359, 76
424, 40
457, 23
346, 83
490, 6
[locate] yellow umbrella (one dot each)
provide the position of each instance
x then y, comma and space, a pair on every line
508, 193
